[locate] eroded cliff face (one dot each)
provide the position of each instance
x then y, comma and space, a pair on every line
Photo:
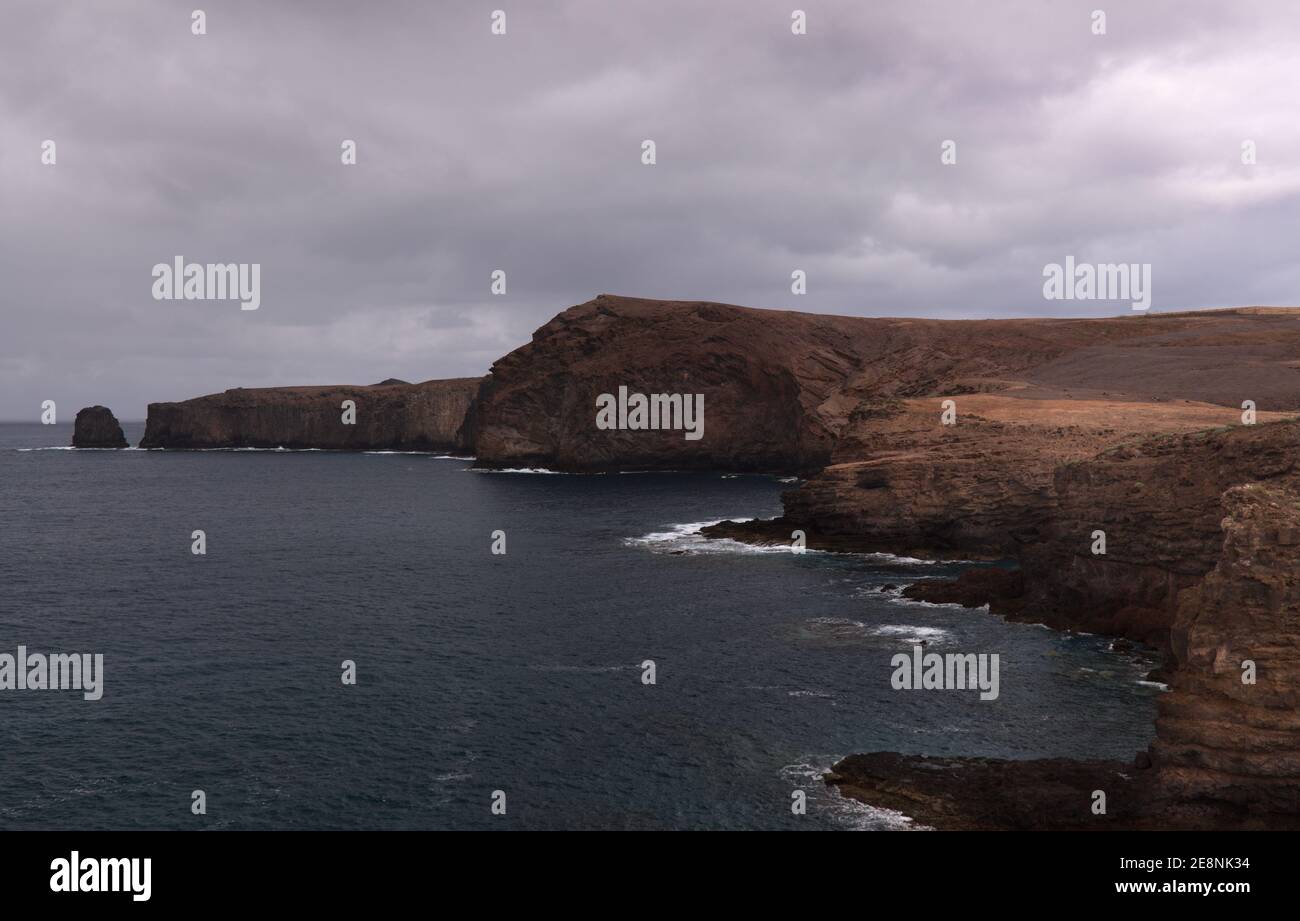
389, 416
796, 393
1227, 749
1228, 734
856, 400
982, 487
1029, 468
1159, 502
764, 376
857, 406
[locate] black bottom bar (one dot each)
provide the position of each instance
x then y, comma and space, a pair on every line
337, 869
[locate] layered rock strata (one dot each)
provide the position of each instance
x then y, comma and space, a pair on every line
804, 393
1203, 548
388, 416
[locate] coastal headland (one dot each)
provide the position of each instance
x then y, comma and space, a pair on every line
1173, 436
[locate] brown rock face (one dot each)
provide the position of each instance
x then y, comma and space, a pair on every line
1227, 746
791, 392
1032, 467
1160, 503
389, 416
988, 486
97, 427
764, 376
781, 389
974, 490
1227, 750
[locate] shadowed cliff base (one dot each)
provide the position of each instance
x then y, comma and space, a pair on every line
1048, 794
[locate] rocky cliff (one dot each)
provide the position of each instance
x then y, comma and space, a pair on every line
799, 393
1227, 749
389, 416
1159, 501
97, 427
963, 439
1074, 430
766, 378
855, 400
1012, 439
1227, 743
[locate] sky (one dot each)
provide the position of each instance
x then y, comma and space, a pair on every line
522, 152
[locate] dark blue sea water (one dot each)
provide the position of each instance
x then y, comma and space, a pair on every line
476, 672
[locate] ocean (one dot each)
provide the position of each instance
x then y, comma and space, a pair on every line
477, 672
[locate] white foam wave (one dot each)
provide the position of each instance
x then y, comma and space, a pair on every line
542, 470
849, 813
840, 624
845, 628
451, 777
74, 448
909, 560
916, 602
686, 538
278, 450
912, 634
819, 695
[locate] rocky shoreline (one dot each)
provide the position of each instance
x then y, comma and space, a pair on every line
1225, 754
1171, 437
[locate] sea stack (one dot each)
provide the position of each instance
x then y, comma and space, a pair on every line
97, 427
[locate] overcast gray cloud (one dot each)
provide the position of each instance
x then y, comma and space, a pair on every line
522, 152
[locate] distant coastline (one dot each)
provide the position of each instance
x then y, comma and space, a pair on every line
984, 439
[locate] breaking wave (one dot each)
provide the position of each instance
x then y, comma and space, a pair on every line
845, 812
686, 538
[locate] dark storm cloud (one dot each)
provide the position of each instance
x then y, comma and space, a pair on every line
521, 152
